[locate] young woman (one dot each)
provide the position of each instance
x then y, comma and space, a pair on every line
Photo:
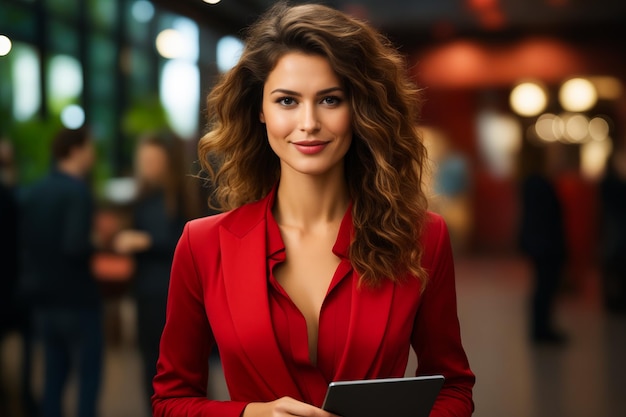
326, 264
163, 205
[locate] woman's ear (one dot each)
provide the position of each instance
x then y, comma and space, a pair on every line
262, 117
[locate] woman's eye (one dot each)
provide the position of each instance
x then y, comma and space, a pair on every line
331, 100
286, 101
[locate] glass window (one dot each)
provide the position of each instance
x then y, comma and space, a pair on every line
180, 95
102, 14
65, 82
26, 84
142, 81
63, 8
139, 15
63, 37
102, 61
18, 21
179, 87
229, 49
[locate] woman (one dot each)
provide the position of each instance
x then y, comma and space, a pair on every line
162, 207
328, 265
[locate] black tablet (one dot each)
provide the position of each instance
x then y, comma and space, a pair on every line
397, 397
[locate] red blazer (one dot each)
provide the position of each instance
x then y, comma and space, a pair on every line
218, 294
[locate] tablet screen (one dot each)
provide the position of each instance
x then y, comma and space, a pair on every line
393, 397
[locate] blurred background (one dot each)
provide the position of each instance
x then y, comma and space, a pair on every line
506, 83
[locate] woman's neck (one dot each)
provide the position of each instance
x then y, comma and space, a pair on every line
305, 201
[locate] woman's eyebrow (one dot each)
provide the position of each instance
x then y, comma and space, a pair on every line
296, 94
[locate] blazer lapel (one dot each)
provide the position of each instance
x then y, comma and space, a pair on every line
244, 267
368, 322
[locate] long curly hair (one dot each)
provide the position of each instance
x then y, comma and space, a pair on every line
385, 164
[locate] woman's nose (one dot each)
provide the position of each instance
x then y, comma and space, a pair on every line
309, 121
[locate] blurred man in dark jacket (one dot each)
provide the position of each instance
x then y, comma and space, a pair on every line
613, 232
542, 240
56, 231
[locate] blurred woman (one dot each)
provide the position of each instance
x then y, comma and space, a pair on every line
163, 204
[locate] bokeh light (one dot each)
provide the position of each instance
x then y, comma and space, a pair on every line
5, 45
598, 128
549, 127
170, 43
528, 99
142, 11
577, 95
593, 158
229, 49
576, 127
73, 116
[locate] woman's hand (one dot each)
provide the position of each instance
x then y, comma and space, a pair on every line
128, 242
284, 407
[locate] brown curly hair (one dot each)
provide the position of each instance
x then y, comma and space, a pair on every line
385, 163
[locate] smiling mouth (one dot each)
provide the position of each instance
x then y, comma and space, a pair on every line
310, 147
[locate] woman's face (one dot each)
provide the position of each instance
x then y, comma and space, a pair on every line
307, 115
151, 163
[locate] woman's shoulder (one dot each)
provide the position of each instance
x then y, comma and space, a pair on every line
434, 225
237, 221
435, 238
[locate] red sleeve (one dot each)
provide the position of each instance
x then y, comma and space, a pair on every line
436, 335
180, 385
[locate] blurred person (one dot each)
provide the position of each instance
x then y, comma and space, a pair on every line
542, 240
8, 259
325, 264
578, 196
613, 232
164, 203
8, 239
14, 313
56, 278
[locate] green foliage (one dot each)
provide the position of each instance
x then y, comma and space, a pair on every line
31, 141
144, 115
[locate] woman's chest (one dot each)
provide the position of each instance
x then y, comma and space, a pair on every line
351, 320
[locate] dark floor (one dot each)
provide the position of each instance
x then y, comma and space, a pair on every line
514, 379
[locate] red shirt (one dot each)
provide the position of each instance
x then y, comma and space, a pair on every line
222, 291
290, 325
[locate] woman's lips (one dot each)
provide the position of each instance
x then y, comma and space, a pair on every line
310, 147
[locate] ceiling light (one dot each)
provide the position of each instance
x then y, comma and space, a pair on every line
528, 99
577, 95
211, 1
5, 45
170, 43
